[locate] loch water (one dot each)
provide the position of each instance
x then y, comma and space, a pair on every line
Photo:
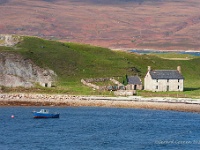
193, 53
90, 128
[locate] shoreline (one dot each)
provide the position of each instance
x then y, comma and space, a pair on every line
109, 104
136, 102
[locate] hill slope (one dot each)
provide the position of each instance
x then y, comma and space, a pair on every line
153, 24
72, 62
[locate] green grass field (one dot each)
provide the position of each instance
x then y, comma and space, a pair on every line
72, 62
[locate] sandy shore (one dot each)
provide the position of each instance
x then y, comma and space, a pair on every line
158, 103
114, 104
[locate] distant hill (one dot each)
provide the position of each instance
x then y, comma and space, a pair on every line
124, 24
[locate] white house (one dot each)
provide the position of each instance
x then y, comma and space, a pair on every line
163, 80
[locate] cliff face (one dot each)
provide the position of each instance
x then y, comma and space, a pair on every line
17, 71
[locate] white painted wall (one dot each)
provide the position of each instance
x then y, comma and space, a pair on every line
161, 84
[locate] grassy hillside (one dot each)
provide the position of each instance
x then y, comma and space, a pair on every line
73, 61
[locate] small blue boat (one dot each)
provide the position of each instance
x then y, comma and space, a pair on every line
44, 113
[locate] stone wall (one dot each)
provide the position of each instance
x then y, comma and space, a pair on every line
89, 82
124, 92
37, 97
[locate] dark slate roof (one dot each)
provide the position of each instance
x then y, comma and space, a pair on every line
165, 74
134, 80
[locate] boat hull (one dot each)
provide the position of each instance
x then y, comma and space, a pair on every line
42, 115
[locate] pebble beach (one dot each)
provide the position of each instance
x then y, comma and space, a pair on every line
158, 103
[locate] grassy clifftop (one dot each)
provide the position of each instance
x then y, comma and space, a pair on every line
73, 61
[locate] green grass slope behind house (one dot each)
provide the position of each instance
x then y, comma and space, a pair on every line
72, 62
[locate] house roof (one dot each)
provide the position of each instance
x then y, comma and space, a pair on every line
134, 80
166, 74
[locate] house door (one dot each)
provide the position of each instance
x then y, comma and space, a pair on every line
46, 85
168, 88
135, 87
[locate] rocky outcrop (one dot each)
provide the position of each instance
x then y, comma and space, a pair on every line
16, 71
9, 40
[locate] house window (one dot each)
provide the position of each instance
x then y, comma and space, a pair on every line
178, 87
157, 87
156, 80
178, 80
167, 80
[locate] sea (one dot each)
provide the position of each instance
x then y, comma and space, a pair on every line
189, 52
92, 128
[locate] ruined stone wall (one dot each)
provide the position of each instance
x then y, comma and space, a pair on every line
89, 82
116, 82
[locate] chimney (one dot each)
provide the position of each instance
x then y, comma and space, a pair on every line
179, 69
149, 68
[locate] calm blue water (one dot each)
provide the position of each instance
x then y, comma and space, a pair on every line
98, 128
163, 52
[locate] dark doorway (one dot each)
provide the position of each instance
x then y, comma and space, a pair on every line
46, 85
